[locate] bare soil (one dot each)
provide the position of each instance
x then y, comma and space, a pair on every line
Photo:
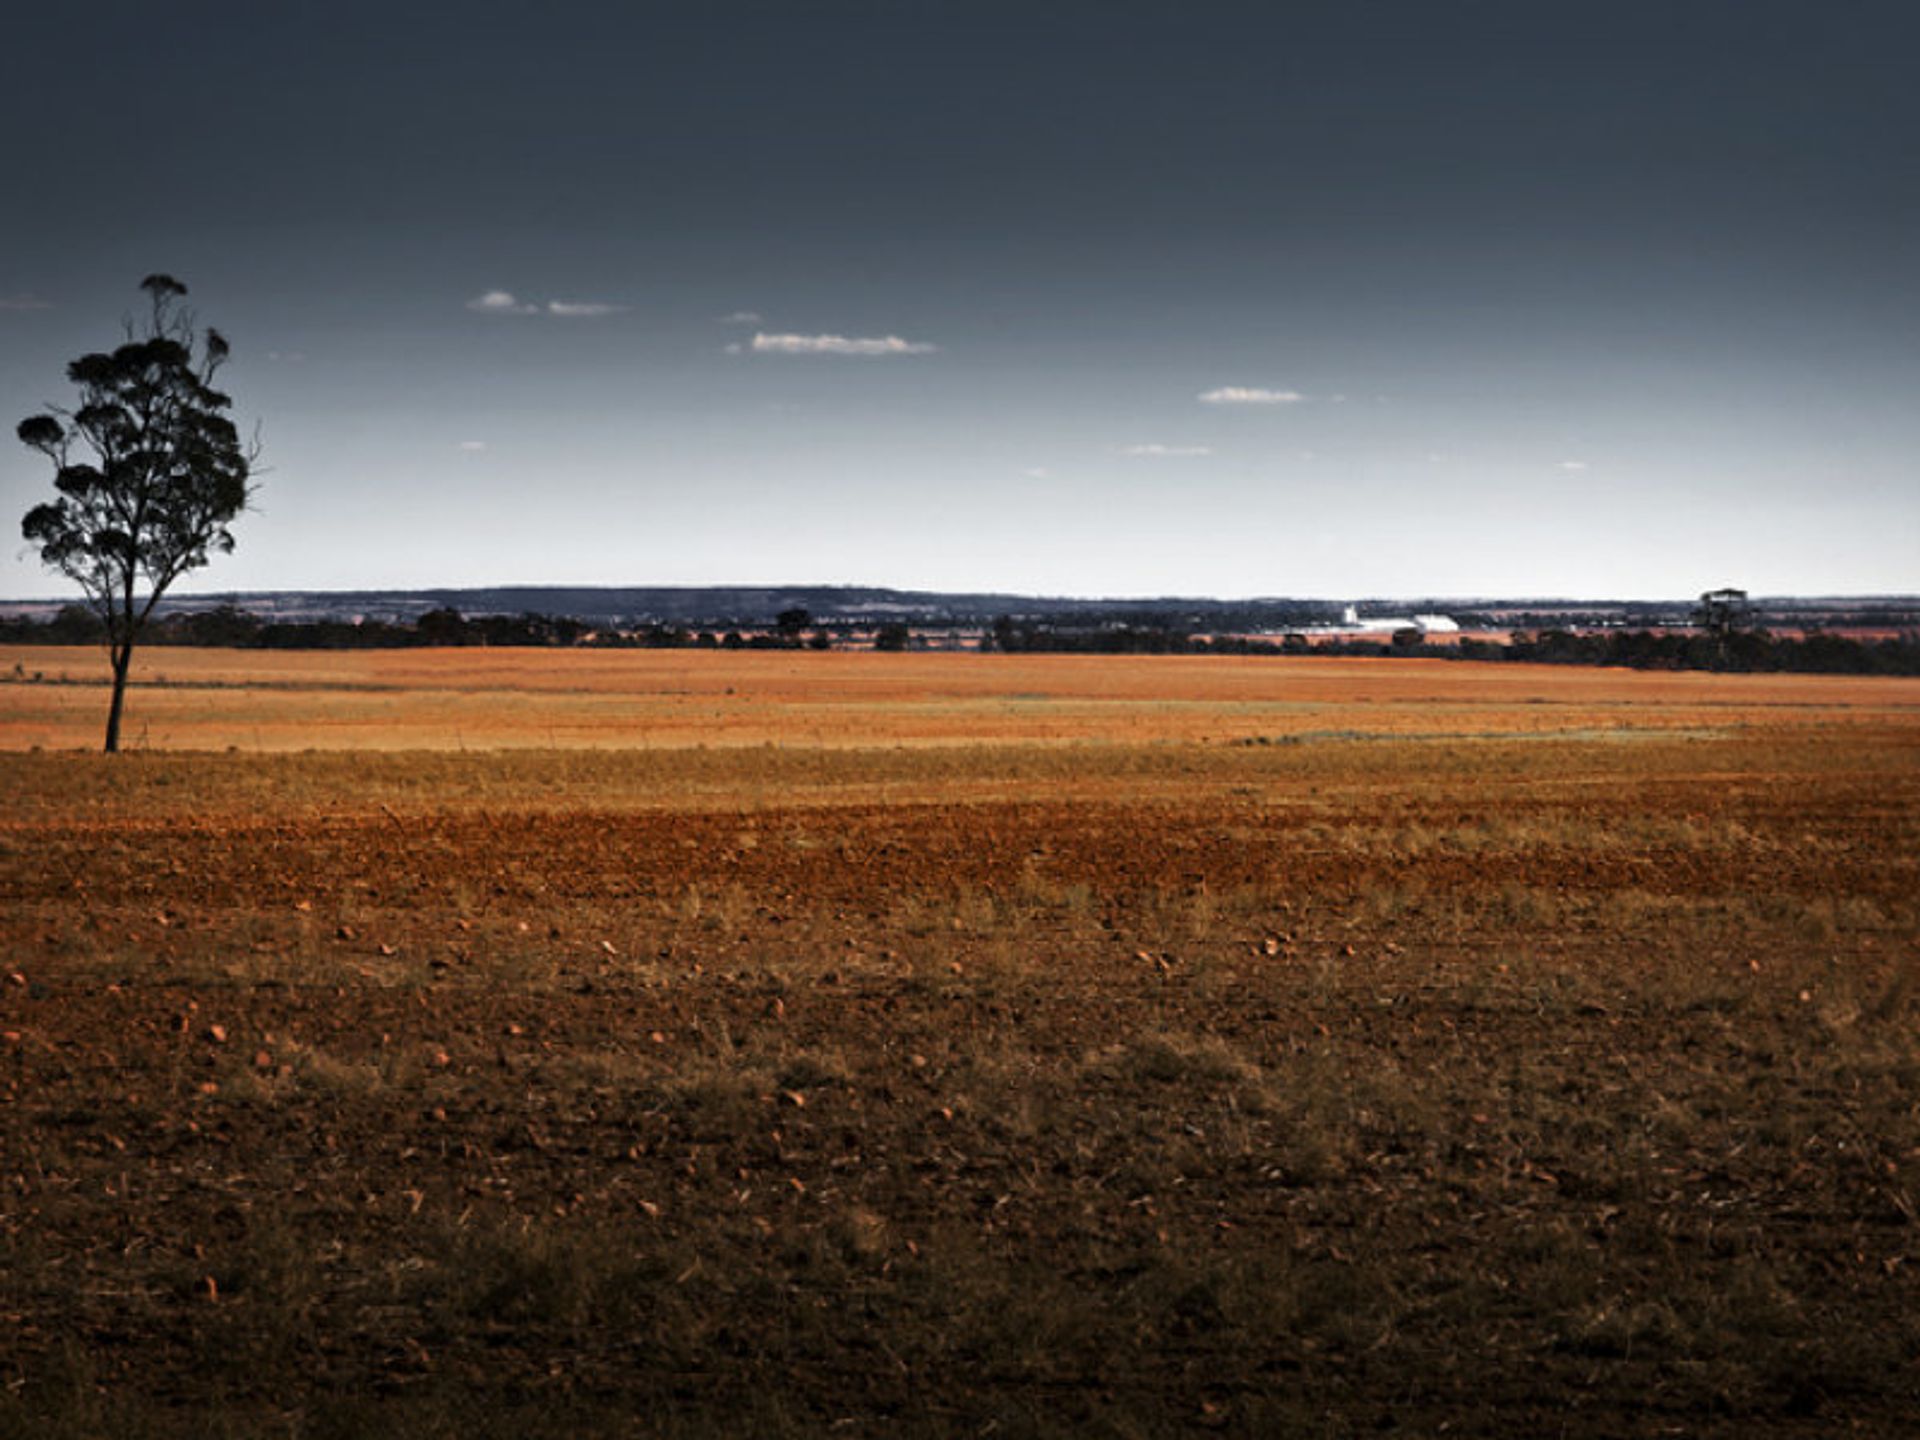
1376, 1071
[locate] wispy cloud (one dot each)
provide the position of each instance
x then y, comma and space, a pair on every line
1572, 465
1037, 472
1250, 395
883, 345
501, 302
1165, 452
505, 302
471, 446
24, 302
741, 317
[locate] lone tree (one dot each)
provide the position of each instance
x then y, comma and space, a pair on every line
150, 471
1721, 612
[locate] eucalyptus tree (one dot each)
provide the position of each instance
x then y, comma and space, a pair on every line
151, 472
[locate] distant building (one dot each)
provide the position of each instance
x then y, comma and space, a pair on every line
1352, 624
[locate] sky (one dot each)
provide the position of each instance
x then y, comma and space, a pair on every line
1407, 298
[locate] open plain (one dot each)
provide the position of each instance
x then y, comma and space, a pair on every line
662, 1043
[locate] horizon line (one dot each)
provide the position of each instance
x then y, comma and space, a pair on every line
1894, 596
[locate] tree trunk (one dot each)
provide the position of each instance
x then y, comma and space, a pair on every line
122, 658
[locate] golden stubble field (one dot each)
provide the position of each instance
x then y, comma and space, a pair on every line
527, 1043
480, 699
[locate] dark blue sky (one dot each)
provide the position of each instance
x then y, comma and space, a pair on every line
1094, 297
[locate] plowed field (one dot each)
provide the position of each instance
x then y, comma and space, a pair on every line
957, 1046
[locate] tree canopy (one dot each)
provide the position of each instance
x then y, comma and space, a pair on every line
149, 470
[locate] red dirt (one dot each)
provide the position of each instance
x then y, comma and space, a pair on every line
1509, 1088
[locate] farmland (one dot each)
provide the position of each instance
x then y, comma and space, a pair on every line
531, 1043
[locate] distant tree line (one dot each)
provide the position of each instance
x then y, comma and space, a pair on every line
1727, 649
1121, 637
1739, 651
229, 627
1724, 648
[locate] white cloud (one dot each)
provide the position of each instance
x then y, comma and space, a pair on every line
1572, 465
1038, 472
765, 344
500, 302
582, 309
24, 302
741, 317
1250, 395
505, 302
1165, 452
472, 445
